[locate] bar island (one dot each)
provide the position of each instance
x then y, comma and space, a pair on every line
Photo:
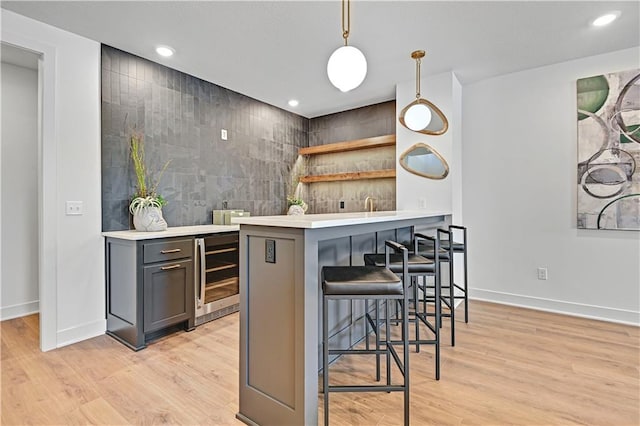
280, 298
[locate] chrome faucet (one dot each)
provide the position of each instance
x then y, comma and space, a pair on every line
369, 201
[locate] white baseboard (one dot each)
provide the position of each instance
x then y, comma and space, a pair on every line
558, 306
19, 310
82, 332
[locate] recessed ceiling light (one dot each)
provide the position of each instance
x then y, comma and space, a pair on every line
606, 19
293, 103
165, 51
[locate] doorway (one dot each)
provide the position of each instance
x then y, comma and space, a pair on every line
26, 284
19, 183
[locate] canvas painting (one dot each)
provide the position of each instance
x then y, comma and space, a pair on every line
609, 151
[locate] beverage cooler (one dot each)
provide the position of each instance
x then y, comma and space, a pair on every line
216, 276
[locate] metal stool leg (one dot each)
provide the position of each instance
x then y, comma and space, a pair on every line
377, 333
325, 358
452, 292
438, 315
405, 346
466, 297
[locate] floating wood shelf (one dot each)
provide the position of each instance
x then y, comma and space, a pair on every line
374, 142
370, 174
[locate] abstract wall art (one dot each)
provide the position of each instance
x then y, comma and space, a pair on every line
609, 151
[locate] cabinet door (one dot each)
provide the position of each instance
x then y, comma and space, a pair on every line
168, 294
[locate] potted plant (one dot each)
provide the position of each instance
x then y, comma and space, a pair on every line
146, 205
295, 203
296, 206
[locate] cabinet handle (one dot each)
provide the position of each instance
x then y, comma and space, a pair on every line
164, 268
170, 251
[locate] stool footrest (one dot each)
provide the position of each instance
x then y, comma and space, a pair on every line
366, 388
358, 351
414, 342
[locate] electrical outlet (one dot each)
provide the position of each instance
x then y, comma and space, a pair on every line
542, 273
341, 204
270, 251
223, 134
74, 208
423, 202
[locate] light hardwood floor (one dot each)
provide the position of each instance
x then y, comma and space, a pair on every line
509, 366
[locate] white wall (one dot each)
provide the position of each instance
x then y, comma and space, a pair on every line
519, 193
442, 195
19, 293
73, 242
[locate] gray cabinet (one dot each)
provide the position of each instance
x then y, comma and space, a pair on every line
149, 288
168, 297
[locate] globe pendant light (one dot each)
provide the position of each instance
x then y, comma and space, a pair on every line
417, 117
421, 115
347, 66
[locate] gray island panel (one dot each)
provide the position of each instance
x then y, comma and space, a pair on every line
278, 301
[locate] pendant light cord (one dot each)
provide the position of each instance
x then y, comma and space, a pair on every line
345, 30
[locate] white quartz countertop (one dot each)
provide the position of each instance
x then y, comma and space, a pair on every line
329, 220
178, 231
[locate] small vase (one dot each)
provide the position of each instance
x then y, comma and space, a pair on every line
149, 219
295, 210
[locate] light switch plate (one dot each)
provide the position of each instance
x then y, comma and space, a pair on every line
543, 274
74, 208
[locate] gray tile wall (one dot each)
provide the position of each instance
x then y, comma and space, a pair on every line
181, 117
373, 120
365, 122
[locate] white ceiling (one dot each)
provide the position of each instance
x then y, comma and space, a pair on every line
277, 50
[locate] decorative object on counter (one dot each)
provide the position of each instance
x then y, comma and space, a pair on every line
608, 175
223, 217
146, 206
147, 214
421, 115
422, 160
295, 187
347, 66
297, 206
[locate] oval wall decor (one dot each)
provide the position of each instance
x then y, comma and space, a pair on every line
422, 160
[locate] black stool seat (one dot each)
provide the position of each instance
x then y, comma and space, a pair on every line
361, 281
457, 247
416, 264
425, 249
428, 253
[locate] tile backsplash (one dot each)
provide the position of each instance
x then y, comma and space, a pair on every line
181, 118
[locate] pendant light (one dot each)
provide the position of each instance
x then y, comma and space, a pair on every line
421, 115
347, 66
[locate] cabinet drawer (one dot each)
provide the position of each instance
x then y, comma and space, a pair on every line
168, 294
164, 250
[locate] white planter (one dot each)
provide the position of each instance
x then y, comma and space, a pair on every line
149, 219
297, 209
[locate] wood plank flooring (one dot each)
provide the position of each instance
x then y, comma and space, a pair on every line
509, 366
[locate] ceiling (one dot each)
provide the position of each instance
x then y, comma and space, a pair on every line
278, 50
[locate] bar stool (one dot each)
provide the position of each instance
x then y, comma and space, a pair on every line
446, 254
459, 248
373, 283
417, 266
